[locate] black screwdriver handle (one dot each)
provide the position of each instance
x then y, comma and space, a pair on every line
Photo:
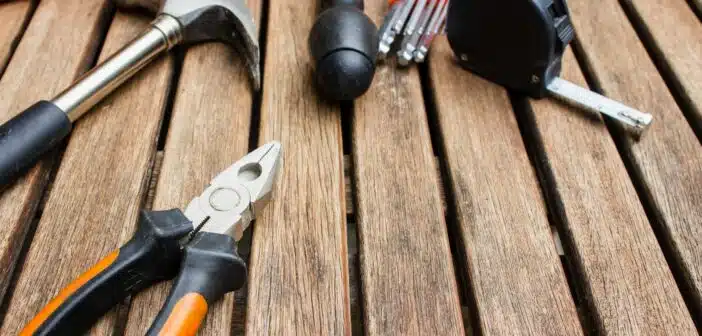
211, 268
152, 255
27, 136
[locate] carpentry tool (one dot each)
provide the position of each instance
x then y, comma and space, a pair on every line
436, 23
414, 31
198, 245
392, 25
417, 22
519, 44
343, 43
24, 138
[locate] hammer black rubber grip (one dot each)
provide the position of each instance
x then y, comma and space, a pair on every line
26, 137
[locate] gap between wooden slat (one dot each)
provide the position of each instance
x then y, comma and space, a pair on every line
239, 317
102, 141
258, 96
356, 298
177, 54
352, 239
537, 156
638, 177
675, 84
28, 8
664, 163
299, 247
244, 246
448, 204
40, 176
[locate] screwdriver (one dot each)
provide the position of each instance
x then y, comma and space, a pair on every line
394, 21
416, 22
412, 37
437, 20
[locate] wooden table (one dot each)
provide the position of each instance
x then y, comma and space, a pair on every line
436, 204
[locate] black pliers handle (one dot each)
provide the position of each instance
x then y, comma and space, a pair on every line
209, 268
152, 255
199, 245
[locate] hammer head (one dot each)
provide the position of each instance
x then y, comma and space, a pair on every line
227, 21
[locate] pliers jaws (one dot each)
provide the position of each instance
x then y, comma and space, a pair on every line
238, 194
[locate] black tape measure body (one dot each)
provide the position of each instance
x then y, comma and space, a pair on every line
515, 43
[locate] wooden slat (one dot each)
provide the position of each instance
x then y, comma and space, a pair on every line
624, 275
667, 160
209, 131
517, 278
99, 188
51, 54
298, 282
407, 276
13, 15
677, 36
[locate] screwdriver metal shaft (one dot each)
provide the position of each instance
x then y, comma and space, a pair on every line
385, 30
433, 28
410, 41
395, 27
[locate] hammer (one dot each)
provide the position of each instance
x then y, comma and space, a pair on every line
36, 130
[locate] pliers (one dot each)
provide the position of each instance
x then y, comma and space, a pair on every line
199, 246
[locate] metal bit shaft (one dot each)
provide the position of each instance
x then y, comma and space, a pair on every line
413, 20
396, 26
409, 43
435, 24
385, 30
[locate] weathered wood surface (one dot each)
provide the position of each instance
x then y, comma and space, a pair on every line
209, 131
99, 188
515, 272
51, 54
666, 161
622, 271
401, 226
300, 264
13, 16
675, 31
298, 281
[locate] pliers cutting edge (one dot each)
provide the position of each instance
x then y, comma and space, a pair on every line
198, 245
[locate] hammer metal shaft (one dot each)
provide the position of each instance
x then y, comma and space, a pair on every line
42, 126
87, 91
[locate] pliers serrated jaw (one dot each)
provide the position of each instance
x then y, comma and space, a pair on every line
238, 194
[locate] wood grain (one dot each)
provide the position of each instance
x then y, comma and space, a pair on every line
298, 282
150, 6
209, 131
13, 16
51, 54
407, 276
99, 187
676, 33
666, 162
629, 287
516, 274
